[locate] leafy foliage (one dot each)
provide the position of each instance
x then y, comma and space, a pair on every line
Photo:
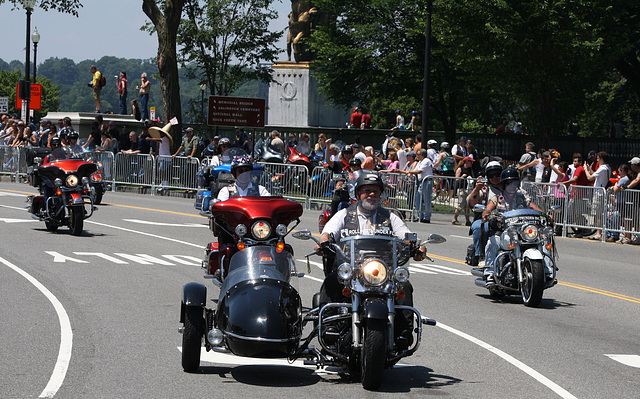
50, 92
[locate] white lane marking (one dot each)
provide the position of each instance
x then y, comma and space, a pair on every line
6, 194
146, 234
9, 220
419, 270
320, 280
465, 237
166, 224
627, 360
443, 269
13, 207
66, 335
533, 373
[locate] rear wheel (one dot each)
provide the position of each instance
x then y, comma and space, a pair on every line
374, 354
76, 220
533, 284
192, 338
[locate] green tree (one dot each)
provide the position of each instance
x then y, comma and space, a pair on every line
50, 92
224, 44
66, 6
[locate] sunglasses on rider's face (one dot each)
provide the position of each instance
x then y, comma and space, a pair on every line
369, 191
492, 175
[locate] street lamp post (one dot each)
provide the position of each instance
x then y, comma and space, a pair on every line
427, 66
25, 85
35, 38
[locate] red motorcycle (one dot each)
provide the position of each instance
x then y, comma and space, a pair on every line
63, 180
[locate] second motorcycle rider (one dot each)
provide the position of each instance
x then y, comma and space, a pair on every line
368, 217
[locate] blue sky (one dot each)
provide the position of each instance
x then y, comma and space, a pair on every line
104, 27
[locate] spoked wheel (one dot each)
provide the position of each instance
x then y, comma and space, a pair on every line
374, 354
76, 221
192, 338
533, 284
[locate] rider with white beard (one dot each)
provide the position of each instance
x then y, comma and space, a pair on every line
367, 217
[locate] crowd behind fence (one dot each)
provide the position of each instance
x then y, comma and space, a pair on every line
582, 207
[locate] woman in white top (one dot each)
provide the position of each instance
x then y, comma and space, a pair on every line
600, 177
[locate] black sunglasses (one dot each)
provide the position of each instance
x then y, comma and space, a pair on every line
490, 175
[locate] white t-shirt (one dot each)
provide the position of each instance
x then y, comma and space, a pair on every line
336, 224
224, 195
402, 158
425, 167
164, 147
602, 176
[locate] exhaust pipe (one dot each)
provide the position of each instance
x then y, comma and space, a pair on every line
35, 216
481, 283
477, 272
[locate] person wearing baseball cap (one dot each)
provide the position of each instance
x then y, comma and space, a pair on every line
634, 161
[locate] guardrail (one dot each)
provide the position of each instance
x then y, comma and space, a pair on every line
583, 207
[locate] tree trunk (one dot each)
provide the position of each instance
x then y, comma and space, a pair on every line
167, 31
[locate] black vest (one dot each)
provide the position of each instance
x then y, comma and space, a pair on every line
254, 191
352, 227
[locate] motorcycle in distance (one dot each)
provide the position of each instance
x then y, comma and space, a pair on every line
526, 261
96, 182
65, 192
258, 311
212, 177
359, 332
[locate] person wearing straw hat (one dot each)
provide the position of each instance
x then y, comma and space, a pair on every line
163, 137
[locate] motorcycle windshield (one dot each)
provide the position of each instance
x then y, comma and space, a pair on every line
261, 262
385, 248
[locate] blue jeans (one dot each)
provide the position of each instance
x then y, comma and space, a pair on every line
144, 100
491, 252
479, 240
423, 198
123, 103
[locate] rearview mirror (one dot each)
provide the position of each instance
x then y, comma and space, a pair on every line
302, 234
435, 239
479, 208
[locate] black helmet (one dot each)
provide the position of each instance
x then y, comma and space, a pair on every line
368, 179
55, 140
509, 175
73, 135
347, 149
492, 166
240, 161
355, 162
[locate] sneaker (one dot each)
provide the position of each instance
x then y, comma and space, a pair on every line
611, 239
467, 223
635, 242
624, 240
481, 264
456, 223
425, 221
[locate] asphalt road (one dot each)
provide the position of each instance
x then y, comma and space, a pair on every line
96, 316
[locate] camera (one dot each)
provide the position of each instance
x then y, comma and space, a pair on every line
116, 76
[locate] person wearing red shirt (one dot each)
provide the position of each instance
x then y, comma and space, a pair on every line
356, 118
578, 196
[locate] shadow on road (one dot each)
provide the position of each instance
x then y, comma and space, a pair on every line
546, 303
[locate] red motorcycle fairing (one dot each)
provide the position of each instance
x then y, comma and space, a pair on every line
77, 198
60, 169
244, 210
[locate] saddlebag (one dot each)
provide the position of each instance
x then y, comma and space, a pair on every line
471, 259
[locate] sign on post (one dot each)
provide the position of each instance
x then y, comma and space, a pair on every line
236, 111
36, 97
152, 113
4, 105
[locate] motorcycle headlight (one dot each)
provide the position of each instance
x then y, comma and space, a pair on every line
72, 181
241, 230
58, 182
85, 180
401, 274
374, 272
345, 271
261, 230
281, 230
530, 232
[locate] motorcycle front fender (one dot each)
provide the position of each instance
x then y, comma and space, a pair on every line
194, 294
533, 253
375, 309
76, 199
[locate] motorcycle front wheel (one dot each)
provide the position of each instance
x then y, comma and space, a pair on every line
76, 221
192, 338
98, 197
374, 354
533, 285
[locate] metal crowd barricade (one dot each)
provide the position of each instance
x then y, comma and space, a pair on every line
134, 170
585, 207
289, 180
400, 192
624, 212
106, 163
177, 173
449, 193
322, 186
9, 160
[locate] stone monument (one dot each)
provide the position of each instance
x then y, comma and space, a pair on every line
294, 98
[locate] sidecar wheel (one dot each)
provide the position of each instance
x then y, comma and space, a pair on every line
51, 226
76, 220
374, 354
533, 284
192, 338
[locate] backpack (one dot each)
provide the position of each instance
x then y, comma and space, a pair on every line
103, 81
448, 163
